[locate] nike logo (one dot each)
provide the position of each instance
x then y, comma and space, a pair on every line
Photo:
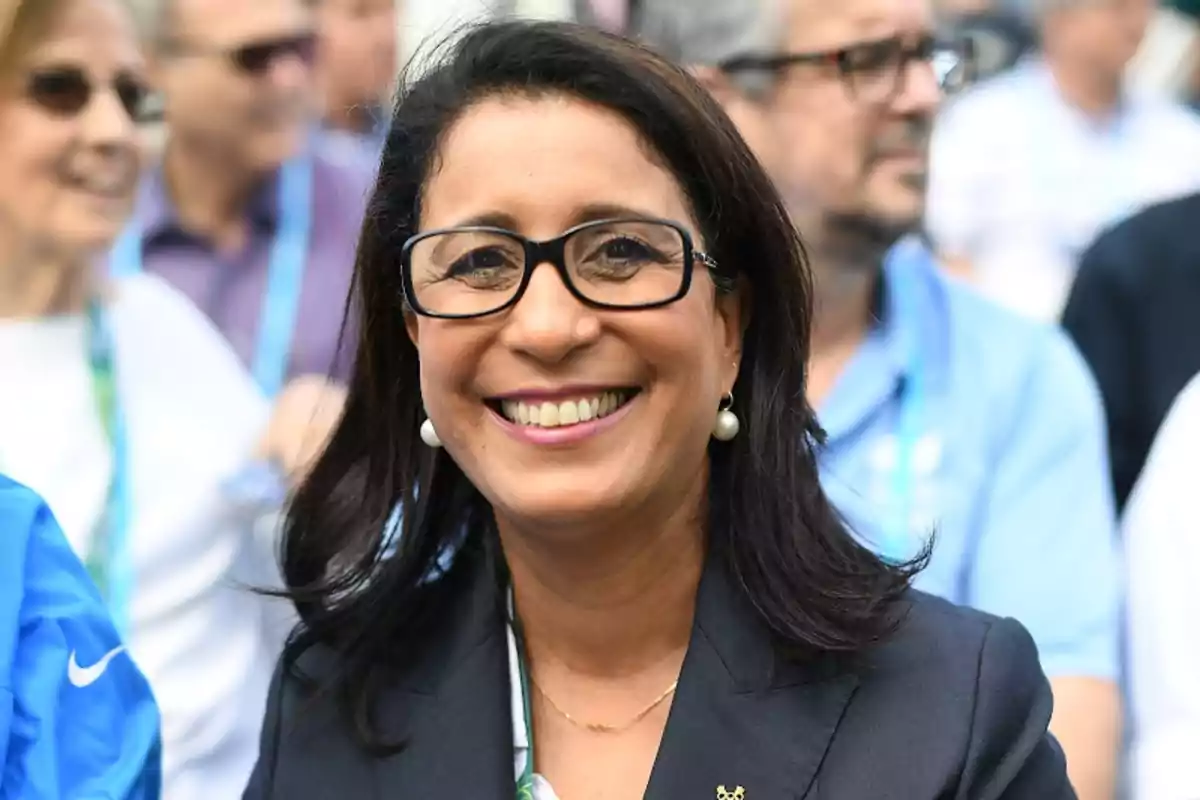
86, 676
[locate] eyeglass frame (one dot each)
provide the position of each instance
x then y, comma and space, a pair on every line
134, 110
838, 57
553, 252
300, 45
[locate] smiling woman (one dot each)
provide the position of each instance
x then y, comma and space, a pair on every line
60, 190
123, 408
582, 373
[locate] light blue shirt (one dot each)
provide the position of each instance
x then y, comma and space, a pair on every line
1006, 463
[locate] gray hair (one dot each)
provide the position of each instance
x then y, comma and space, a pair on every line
152, 18
155, 19
706, 32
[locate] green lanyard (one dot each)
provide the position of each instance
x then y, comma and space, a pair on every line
108, 560
525, 780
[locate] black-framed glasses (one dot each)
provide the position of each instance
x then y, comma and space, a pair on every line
256, 58
619, 264
65, 91
875, 71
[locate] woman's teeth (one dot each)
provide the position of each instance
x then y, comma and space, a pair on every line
568, 412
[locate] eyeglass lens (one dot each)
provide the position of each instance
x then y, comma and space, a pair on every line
66, 91
474, 271
258, 57
876, 70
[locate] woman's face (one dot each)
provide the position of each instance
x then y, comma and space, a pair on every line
653, 379
68, 146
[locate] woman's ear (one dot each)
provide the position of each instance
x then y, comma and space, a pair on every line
412, 326
733, 317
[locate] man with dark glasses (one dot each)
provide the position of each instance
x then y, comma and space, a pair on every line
945, 415
249, 215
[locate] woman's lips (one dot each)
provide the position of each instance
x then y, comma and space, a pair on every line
565, 421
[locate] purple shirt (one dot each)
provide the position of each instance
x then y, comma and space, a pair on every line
229, 287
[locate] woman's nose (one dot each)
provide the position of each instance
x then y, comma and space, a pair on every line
549, 323
106, 121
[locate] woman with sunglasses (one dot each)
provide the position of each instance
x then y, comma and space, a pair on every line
581, 379
121, 404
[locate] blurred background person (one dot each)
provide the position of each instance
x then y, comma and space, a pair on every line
1027, 169
248, 214
943, 412
356, 58
1162, 539
64, 670
122, 405
1134, 312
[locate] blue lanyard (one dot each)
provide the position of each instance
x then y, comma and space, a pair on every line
896, 545
109, 561
285, 273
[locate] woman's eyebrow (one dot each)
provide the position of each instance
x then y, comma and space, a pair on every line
587, 213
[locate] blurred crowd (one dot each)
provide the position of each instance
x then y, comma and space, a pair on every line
182, 186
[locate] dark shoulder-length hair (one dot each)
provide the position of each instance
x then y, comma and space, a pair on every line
374, 600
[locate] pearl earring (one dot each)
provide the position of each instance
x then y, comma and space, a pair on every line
727, 424
429, 435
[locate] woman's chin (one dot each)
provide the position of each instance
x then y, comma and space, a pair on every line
560, 508
90, 235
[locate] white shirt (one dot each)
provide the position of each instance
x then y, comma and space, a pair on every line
522, 747
1162, 540
193, 415
1021, 182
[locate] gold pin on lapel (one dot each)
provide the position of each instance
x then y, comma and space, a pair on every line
724, 794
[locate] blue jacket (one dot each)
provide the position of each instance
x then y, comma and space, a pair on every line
77, 718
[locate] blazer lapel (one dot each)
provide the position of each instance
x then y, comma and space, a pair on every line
741, 717
454, 709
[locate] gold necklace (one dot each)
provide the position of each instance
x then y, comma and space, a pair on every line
599, 727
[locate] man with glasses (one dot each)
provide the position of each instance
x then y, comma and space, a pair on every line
250, 215
945, 415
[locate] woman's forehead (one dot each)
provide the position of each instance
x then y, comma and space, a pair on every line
542, 160
82, 31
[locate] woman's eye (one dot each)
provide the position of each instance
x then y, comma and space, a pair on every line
623, 250
476, 261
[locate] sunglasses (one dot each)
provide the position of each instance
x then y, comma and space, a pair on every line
67, 91
257, 58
